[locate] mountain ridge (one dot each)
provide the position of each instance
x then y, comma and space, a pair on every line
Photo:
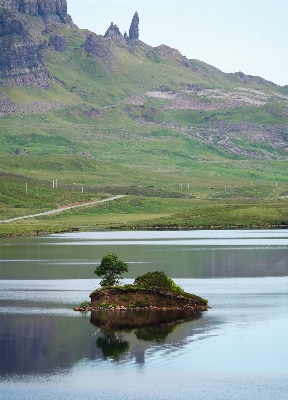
115, 82
52, 15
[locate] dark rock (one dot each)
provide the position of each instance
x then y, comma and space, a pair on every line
93, 113
113, 32
134, 27
96, 45
21, 61
21, 43
43, 45
41, 78
104, 49
12, 24
57, 42
41, 8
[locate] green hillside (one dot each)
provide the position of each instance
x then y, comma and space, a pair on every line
119, 116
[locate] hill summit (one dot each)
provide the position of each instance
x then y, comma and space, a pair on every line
122, 91
29, 27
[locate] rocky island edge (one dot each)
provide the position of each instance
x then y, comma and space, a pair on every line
151, 291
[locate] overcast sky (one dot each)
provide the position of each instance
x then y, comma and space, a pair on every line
248, 36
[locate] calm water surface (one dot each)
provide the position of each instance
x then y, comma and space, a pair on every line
236, 350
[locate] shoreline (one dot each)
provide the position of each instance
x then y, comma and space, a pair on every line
196, 309
142, 228
121, 299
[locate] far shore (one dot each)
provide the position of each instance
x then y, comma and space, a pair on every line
139, 228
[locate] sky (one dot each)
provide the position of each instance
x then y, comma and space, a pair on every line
248, 36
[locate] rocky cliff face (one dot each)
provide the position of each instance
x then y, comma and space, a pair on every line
43, 8
21, 61
104, 46
21, 41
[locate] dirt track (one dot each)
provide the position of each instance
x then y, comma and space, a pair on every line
63, 209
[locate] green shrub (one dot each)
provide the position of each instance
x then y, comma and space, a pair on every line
84, 304
157, 280
129, 286
106, 305
198, 298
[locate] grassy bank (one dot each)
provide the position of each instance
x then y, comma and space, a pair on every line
225, 215
207, 194
153, 213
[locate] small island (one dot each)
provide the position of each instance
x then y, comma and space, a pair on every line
151, 291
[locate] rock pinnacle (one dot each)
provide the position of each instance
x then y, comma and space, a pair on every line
134, 27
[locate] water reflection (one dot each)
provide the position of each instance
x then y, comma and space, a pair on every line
112, 344
235, 350
197, 254
128, 320
115, 329
41, 344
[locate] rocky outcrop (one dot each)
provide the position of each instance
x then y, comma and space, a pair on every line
21, 40
113, 32
134, 27
8, 107
21, 61
11, 24
57, 42
105, 49
96, 45
168, 52
39, 78
122, 299
42, 8
250, 79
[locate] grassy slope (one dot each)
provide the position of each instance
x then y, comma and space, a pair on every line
130, 154
225, 215
135, 211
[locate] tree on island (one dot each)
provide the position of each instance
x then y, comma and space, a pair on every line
111, 269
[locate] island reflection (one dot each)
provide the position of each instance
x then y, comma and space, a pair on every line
42, 344
115, 329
